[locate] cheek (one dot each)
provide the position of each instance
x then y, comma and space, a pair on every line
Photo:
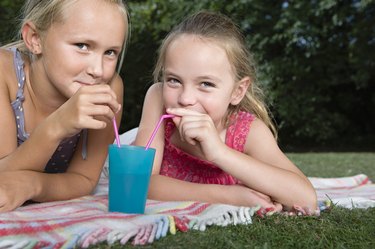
169, 97
109, 70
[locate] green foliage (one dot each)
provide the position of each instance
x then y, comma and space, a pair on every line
317, 57
9, 11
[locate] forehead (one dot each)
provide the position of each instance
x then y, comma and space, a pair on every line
95, 17
203, 53
198, 48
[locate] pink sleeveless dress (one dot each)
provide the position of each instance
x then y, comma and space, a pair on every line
180, 165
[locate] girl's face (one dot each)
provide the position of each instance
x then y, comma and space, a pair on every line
198, 76
84, 48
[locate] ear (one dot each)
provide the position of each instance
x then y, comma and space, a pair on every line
240, 91
31, 38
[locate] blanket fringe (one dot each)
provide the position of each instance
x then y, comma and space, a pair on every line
165, 224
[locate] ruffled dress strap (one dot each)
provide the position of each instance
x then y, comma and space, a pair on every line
17, 103
238, 130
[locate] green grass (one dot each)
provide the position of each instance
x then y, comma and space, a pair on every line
336, 228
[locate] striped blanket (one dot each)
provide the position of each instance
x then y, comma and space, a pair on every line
85, 221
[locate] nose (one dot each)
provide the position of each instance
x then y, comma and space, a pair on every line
187, 96
95, 66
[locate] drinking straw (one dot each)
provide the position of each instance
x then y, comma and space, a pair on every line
157, 128
116, 132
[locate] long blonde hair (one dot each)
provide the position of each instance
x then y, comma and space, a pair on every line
222, 30
43, 13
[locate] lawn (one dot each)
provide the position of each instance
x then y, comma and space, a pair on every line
336, 228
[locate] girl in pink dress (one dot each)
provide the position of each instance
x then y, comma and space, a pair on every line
221, 146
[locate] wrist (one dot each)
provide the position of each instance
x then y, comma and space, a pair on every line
30, 182
51, 129
221, 157
217, 193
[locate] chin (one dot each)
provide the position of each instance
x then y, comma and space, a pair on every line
73, 90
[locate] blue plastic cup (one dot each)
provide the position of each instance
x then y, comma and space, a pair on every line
130, 169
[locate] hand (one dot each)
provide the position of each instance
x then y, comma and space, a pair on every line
15, 189
198, 129
89, 108
241, 195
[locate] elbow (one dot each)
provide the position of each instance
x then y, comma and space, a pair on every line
311, 200
306, 200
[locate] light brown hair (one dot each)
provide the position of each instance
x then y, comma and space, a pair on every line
223, 31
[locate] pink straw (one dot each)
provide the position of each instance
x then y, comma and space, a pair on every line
157, 128
116, 132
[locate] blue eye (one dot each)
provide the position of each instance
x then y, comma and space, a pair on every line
172, 81
82, 46
207, 84
111, 53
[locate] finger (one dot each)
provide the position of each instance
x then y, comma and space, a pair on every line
95, 90
195, 121
98, 111
93, 123
182, 111
193, 132
104, 99
180, 121
102, 88
278, 207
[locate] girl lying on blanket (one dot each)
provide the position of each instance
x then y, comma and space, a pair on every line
221, 145
59, 91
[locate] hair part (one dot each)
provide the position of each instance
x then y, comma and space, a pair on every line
224, 32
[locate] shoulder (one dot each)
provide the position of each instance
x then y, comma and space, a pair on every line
6, 62
155, 89
260, 137
117, 83
6, 69
153, 103
6, 54
154, 95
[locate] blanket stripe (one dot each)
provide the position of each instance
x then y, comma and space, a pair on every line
85, 221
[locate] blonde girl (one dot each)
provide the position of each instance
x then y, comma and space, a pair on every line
221, 145
59, 92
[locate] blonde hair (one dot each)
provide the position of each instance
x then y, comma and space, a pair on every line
43, 13
222, 30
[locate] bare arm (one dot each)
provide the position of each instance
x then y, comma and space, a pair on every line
82, 175
265, 168
170, 189
21, 176
262, 167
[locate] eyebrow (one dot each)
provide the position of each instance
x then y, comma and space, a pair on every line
209, 77
81, 39
202, 77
